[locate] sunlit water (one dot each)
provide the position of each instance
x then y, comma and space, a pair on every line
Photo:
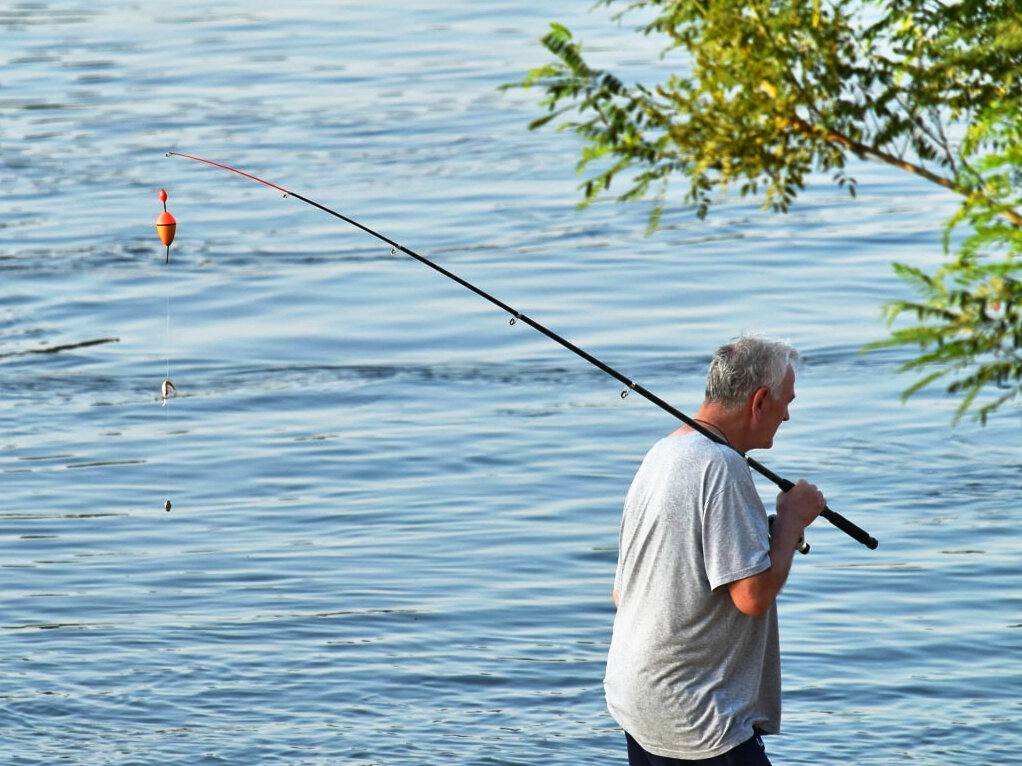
394, 516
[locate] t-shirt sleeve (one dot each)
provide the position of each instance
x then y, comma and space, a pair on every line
735, 531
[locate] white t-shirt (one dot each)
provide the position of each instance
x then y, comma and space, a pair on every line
688, 674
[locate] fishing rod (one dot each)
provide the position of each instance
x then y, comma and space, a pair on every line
839, 521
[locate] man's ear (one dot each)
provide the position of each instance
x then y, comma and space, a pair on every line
759, 399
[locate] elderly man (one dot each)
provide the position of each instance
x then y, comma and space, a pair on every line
693, 672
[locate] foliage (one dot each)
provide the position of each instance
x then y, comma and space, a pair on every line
970, 326
778, 89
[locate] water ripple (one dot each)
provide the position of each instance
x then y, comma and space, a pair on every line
394, 517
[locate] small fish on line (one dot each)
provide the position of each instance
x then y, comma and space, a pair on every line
167, 389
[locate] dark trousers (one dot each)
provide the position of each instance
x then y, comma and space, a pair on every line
749, 753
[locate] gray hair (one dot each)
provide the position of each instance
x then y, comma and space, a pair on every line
745, 364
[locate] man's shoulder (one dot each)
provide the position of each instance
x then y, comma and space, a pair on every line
694, 447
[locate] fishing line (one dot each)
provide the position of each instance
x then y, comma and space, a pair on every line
163, 395
166, 340
846, 526
166, 227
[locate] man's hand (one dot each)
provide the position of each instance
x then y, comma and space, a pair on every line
802, 503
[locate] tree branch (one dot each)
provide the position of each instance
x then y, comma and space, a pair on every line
864, 151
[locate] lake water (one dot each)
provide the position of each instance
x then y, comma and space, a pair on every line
394, 518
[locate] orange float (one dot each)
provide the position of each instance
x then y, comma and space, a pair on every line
166, 225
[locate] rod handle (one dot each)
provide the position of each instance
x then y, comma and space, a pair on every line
854, 531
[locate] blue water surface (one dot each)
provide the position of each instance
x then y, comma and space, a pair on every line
394, 515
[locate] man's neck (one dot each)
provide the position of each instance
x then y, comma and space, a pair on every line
729, 425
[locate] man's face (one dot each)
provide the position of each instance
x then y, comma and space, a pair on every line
774, 410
